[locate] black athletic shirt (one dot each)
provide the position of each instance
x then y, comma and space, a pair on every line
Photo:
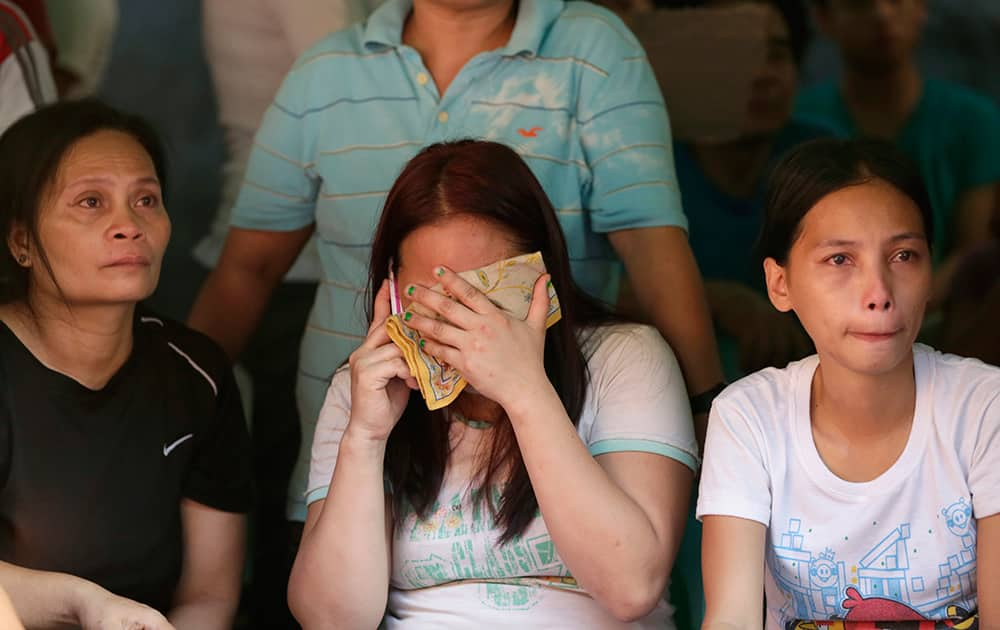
91, 481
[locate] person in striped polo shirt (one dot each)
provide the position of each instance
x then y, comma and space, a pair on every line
563, 83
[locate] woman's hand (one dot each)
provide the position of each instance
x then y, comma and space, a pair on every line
380, 379
500, 356
102, 610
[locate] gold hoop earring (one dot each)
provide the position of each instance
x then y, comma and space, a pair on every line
22, 259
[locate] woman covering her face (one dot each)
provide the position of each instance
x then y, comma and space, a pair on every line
552, 492
861, 483
123, 449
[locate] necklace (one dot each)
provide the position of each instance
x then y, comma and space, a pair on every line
472, 424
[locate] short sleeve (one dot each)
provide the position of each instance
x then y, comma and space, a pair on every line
625, 133
639, 399
281, 186
221, 476
984, 470
734, 476
330, 426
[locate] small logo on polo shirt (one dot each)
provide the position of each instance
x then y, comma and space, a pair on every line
530, 133
177, 442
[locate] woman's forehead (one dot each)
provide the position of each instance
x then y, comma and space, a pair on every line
860, 213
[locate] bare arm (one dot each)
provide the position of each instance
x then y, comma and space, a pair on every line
622, 553
209, 589
8, 618
338, 533
988, 567
342, 530
235, 294
668, 287
46, 599
732, 564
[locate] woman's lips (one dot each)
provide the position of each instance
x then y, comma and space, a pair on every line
131, 260
875, 336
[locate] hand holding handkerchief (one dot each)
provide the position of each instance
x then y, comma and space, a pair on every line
508, 284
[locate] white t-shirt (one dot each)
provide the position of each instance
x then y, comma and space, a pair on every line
448, 572
901, 546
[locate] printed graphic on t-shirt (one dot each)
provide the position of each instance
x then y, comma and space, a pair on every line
882, 585
456, 541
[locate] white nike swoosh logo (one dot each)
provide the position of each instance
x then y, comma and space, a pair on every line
177, 442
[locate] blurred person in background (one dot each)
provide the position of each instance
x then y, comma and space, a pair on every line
250, 46
26, 80
722, 186
951, 131
84, 32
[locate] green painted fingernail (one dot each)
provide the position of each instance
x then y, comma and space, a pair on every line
439, 271
549, 284
422, 342
407, 317
410, 290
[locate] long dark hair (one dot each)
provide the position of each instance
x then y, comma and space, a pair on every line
818, 168
31, 151
488, 181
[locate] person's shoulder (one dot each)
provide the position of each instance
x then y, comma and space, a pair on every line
591, 33
820, 105
960, 379
962, 103
821, 93
340, 384
769, 388
338, 46
628, 339
802, 129
189, 350
818, 99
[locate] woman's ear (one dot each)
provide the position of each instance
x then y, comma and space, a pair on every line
18, 243
776, 278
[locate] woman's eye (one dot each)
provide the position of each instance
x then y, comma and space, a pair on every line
89, 202
147, 201
838, 259
904, 255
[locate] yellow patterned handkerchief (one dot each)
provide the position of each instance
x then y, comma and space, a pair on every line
508, 284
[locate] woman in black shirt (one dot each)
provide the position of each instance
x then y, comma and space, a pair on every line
123, 450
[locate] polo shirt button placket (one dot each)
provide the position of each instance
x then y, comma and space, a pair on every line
443, 117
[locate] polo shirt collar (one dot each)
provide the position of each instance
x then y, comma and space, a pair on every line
534, 17
385, 24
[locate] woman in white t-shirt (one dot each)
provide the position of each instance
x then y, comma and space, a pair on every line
578, 439
862, 483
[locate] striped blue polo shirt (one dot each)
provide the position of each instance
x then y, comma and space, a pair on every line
572, 92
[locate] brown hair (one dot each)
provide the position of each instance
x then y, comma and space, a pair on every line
488, 181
